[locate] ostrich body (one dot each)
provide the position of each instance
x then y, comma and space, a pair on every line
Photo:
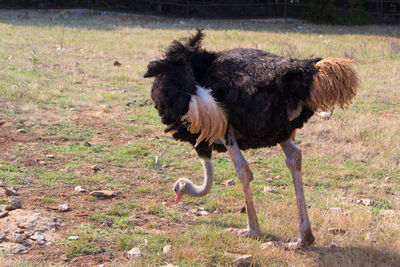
244, 98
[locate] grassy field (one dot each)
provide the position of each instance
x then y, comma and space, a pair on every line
62, 95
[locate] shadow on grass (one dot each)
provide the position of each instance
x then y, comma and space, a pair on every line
353, 256
87, 20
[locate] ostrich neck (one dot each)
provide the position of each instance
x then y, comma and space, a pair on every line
199, 191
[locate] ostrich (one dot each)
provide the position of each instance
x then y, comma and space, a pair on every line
240, 99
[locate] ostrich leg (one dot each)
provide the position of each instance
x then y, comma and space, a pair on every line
293, 162
244, 173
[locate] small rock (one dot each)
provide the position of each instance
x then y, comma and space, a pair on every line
134, 253
108, 222
167, 249
10, 191
203, 213
387, 178
73, 237
103, 194
181, 22
116, 63
72, 109
27, 235
15, 203
269, 180
18, 238
389, 213
2, 237
169, 265
372, 186
243, 261
50, 156
13, 248
41, 241
267, 245
325, 115
63, 207
42, 162
21, 131
3, 214
229, 182
37, 236
293, 240
370, 237
366, 202
95, 168
336, 231
270, 189
80, 189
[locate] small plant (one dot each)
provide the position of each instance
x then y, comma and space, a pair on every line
34, 58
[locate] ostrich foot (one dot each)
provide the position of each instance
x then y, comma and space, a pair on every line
243, 232
301, 243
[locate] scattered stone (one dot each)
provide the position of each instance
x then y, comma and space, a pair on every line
169, 265
373, 186
73, 237
370, 237
50, 156
348, 212
243, 261
387, 178
42, 162
37, 236
293, 240
267, 245
80, 189
21, 131
63, 207
117, 64
270, 189
10, 191
108, 222
103, 194
366, 202
13, 248
203, 213
389, 213
2, 237
134, 253
18, 238
95, 168
72, 109
229, 182
167, 249
336, 231
27, 235
269, 180
41, 241
3, 214
325, 115
15, 203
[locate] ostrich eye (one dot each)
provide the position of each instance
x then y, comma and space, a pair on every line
182, 184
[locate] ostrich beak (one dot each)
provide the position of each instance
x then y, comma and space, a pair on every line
177, 197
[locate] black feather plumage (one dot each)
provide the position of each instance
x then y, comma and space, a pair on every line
256, 89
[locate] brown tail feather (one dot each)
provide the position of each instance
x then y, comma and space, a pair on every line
334, 83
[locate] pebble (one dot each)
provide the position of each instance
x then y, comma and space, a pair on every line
3, 214
269, 180
243, 261
18, 238
72, 109
229, 182
95, 168
73, 237
63, 207
10, 191
50, 156
80, 189
37, 236
13, 248
21, 131
366, 202
270, 189
134, 253
103, 194
167, 249
203, 213
108, 222
336, 231
169, 265
15, 203
334, 245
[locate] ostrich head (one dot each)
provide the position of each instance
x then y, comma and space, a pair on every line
180, 188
